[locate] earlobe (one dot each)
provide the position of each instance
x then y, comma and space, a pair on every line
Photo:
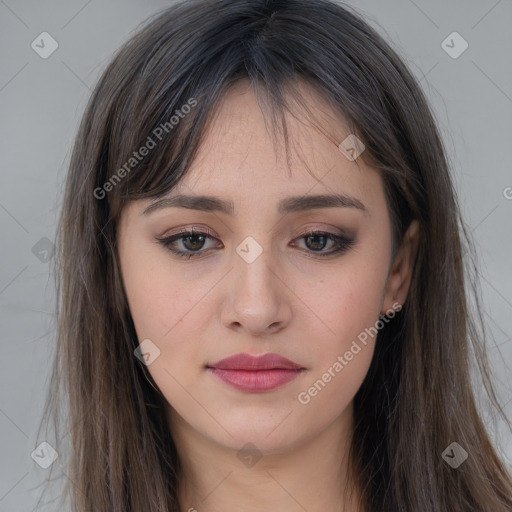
400, 275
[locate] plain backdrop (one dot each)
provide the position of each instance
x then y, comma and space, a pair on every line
41, 102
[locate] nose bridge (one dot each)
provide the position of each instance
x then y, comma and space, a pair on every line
257, 299
254, 276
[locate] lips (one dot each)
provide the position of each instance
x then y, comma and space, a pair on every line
255, 373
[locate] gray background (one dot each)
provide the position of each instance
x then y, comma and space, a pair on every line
41, 101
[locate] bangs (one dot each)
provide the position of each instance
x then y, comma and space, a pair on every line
164, 88
167, 140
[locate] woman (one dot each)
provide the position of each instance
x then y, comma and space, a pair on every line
247, 328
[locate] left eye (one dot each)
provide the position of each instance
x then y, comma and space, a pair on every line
193, 242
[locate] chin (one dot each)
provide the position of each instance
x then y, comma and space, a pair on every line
270, 432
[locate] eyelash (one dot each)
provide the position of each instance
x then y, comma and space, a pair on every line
342, 242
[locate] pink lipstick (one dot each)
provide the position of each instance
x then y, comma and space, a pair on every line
255, 373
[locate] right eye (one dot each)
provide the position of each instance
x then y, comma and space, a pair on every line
193, 241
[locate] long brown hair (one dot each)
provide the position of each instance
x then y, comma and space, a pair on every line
417, 397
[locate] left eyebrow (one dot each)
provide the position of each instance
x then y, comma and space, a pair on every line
301, 203
286, 205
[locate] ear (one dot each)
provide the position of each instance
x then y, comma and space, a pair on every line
399, 278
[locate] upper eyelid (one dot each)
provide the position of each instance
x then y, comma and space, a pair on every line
175, 237
199, 229
203, 231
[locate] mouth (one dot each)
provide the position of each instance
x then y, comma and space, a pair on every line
255, 373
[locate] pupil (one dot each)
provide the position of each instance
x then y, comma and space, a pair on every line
322, 245
192, 237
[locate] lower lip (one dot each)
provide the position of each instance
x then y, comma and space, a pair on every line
256, 381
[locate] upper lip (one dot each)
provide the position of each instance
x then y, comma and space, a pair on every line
249, 362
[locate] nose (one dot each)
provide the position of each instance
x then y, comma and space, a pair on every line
258, 299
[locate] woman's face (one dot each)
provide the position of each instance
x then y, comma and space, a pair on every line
258, 284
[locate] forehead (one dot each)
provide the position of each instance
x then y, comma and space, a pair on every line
237, 158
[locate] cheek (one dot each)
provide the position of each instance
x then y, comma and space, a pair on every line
348, 302
161, 298
350, 307
172, 309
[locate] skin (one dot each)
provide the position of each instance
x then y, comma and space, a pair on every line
288, 300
